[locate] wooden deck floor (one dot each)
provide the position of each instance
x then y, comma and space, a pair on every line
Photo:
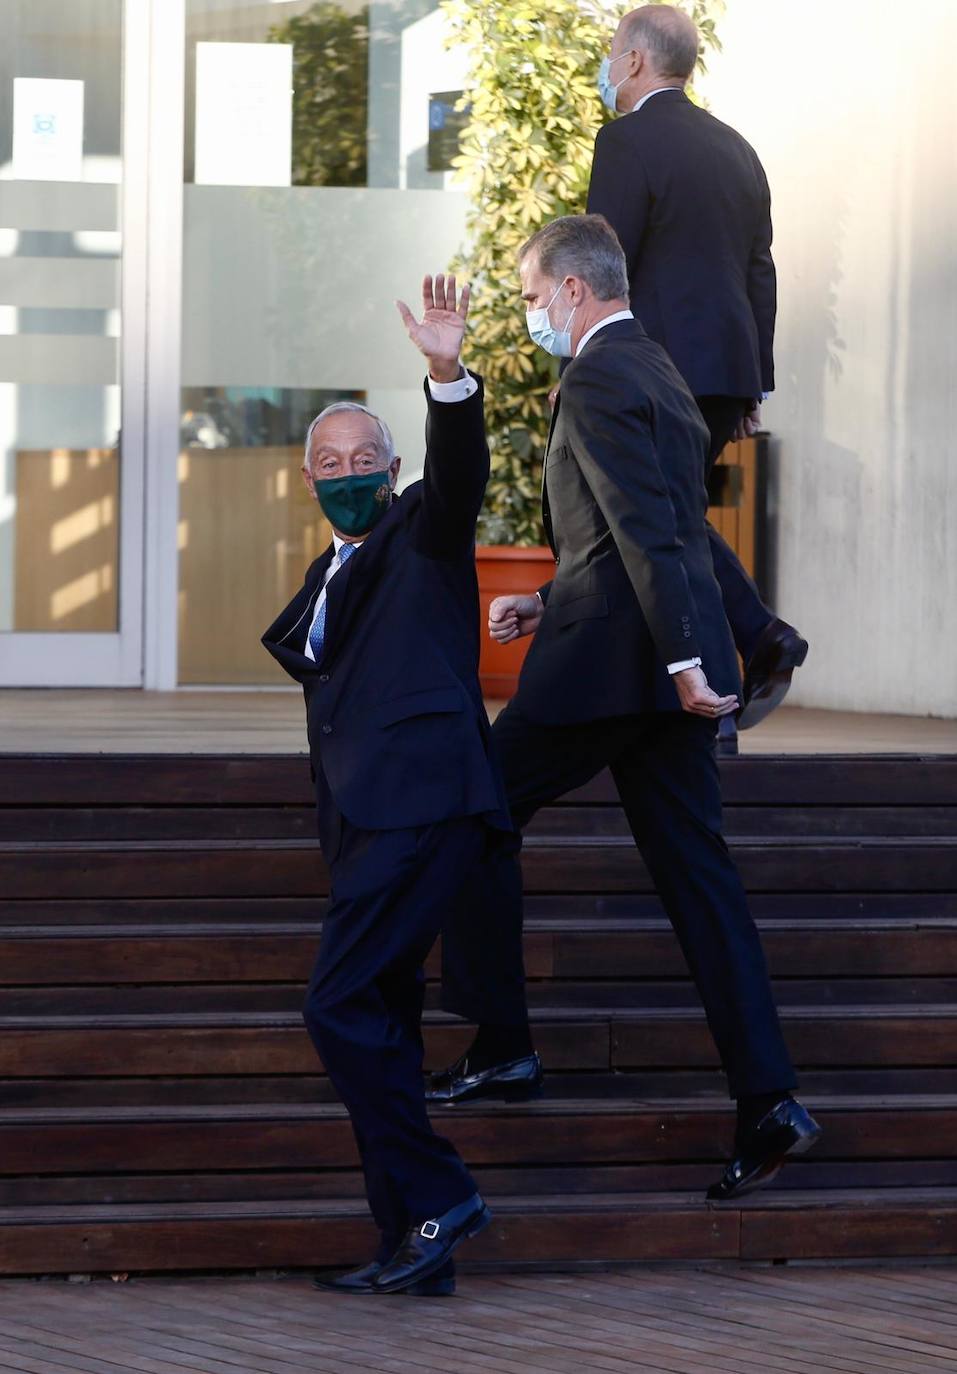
679, 1320
55, 721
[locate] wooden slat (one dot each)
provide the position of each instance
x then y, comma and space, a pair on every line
106, 823
591, 1227
294, 868
551, 1133
283, 779
57, 955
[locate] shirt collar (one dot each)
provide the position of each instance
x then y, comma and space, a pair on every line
609, 319
652, 94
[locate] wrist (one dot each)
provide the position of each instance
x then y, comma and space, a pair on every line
444, 372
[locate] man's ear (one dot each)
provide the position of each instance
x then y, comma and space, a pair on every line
576, 289
308, 481
394, 470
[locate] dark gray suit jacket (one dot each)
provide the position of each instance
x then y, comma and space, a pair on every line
624, 504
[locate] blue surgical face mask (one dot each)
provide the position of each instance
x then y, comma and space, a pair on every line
609, 93
543, 332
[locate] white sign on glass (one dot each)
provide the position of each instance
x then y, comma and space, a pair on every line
47, 129
244, 114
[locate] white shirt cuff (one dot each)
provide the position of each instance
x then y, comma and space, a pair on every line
459, 390
683, 665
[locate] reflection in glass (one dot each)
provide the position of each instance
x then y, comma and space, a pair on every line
60, 168
306, 214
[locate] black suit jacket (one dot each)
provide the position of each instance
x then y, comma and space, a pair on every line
397, 728
689, 201
624, 503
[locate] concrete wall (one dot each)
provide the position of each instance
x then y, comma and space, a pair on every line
851, 105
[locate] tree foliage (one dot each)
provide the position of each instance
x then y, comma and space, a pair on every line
525, 159
330, 101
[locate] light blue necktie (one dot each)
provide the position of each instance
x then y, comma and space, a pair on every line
317, 634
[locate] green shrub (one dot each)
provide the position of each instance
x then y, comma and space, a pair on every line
525, 159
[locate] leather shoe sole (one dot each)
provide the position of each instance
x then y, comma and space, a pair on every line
793, 1133
768, 675
358, 1283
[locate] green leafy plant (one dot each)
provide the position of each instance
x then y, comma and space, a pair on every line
330, 77
525, 159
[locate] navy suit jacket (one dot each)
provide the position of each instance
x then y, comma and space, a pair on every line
624, 506
398, 734
688, 198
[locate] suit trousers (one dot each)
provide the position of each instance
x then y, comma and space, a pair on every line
666, 774
391, 890
747, 613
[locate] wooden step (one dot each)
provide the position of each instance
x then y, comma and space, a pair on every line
274, 1136
500, 1180
836, 1224
283, 780
251, 952
547, 995
83, 824
558, 910
295, 868
653, 1084
579, 1039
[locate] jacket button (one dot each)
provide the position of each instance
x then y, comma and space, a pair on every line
687, 634
323, 677
327, 729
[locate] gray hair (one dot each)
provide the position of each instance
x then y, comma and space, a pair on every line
385, 442
667, 36
583, 246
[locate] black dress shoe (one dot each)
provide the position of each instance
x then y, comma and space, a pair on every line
359, 1282
427, 1247
767, 675
788, 1129
519, 1081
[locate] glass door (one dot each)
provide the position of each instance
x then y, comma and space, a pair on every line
72, 342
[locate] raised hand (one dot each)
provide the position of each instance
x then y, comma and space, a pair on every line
440, 333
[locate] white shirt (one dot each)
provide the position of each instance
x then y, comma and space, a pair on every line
652, 94
458, 390
684, 663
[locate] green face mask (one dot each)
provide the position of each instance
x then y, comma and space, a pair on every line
353, 505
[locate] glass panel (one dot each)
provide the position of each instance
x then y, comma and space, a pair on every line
60, 173
318, 138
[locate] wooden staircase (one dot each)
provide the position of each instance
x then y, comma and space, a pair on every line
162, 1107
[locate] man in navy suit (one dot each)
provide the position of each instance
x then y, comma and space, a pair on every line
384, 638
689, 201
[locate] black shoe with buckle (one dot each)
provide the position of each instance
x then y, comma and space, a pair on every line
359, 1282
519, 1081
788, 1129
428, 1246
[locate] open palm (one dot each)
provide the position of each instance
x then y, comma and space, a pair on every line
439, 334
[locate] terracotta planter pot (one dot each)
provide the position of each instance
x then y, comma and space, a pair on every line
503, 569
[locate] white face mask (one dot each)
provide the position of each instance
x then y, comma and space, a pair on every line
544, 333
608, 92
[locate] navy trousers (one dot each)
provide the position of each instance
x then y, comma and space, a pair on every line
747, 614
666, 773
391, 890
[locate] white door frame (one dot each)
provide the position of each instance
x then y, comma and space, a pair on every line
142, 651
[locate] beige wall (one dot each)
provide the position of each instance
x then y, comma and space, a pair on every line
851, 105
